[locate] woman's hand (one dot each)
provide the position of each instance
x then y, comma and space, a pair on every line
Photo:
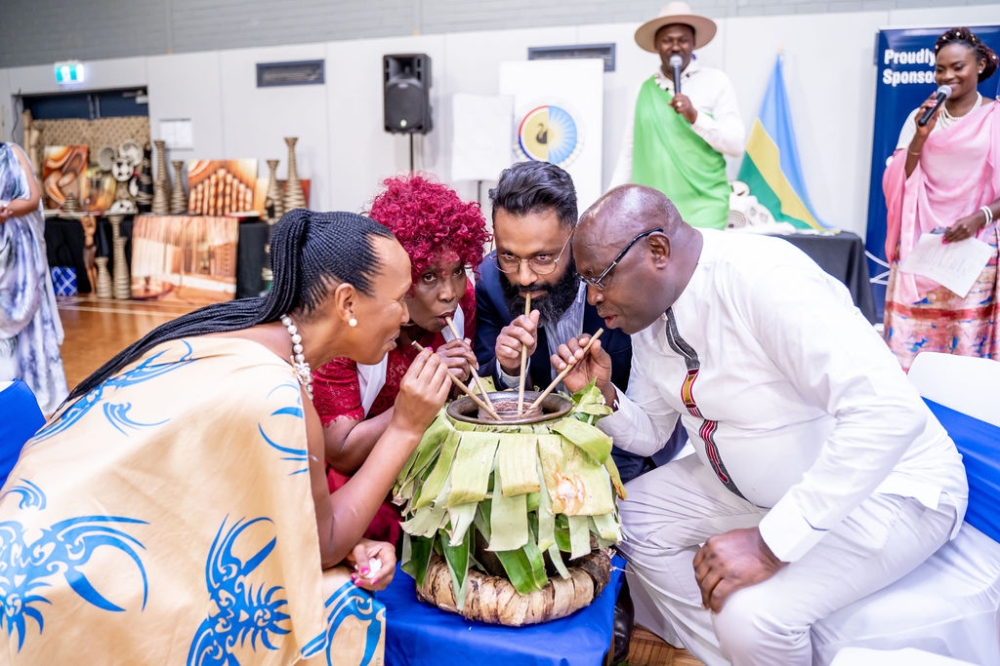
422, 392
374, 564
925, 131
459, 358
5, 213
965, 227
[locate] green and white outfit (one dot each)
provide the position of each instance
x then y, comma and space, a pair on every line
684, 161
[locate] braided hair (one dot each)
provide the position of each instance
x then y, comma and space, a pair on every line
310, 252
966, 37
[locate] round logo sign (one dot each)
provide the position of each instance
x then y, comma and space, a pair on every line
549, 134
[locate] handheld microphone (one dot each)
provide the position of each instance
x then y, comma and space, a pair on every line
943, 93
675, 62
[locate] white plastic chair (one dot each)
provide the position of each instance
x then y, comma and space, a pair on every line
963, 383
949, 605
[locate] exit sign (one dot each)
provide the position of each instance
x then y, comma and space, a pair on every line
70, 71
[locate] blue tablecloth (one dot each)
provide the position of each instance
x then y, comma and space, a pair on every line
978, 442
418, 634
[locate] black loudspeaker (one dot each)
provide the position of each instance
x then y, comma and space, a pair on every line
407, 83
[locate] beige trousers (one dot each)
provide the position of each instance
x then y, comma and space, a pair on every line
673, 509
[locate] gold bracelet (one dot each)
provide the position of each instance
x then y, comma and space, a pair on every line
913, 153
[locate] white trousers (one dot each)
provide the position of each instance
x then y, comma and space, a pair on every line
673, 509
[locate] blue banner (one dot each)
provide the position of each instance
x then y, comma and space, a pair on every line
905, 62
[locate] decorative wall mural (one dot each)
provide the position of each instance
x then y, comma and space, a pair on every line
184, 258
97, 190
62, 171
220, 187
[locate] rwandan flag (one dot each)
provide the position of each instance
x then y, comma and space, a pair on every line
771, 161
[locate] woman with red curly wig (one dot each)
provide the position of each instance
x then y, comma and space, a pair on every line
443, 236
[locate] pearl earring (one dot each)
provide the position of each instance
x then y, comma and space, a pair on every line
352, 322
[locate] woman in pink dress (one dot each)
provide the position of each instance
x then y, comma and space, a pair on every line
944, 178
444, 237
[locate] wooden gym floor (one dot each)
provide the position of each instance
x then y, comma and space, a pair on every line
98, 328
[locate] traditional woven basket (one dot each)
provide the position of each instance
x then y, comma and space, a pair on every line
507, 520
495, 600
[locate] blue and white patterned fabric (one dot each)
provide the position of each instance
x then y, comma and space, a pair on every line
64, 280
30, 330
165, 518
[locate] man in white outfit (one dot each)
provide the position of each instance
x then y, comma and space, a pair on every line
819, 477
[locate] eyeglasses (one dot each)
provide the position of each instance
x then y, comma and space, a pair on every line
540, 264
598, 282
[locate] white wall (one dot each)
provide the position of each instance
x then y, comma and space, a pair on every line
39, 79
6, 104
361, 153
343, 149
188, 85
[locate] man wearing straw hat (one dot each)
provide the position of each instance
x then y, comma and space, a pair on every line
676, 136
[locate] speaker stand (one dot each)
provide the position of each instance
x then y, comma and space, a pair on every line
411, 153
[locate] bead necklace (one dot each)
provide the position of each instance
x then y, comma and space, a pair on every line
947, 119
302, 370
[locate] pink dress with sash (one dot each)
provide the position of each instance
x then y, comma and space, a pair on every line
957, 173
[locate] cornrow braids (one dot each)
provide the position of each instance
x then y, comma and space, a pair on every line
968, 39
310, 252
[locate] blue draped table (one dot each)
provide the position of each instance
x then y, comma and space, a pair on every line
418, 634
978, 442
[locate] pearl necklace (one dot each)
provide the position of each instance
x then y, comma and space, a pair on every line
303, 372
947, 119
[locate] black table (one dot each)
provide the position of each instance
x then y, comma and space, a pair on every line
841, 255
64, 241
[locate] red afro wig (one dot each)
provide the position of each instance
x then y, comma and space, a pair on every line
431, 222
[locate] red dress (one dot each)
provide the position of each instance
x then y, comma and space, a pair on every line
337, 394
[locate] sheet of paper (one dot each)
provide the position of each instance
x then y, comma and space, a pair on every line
178, 133
952, 265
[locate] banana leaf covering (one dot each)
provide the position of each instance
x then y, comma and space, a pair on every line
527, 495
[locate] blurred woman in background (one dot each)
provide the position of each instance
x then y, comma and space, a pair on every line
944, 178
30, 330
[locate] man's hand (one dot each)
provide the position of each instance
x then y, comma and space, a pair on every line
731, 561
682, 105
522, 332
595, 364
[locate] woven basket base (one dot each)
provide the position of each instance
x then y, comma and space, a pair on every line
494, 600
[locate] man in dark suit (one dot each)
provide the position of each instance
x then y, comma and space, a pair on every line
534, 214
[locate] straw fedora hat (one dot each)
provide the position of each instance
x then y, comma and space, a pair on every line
675, 12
